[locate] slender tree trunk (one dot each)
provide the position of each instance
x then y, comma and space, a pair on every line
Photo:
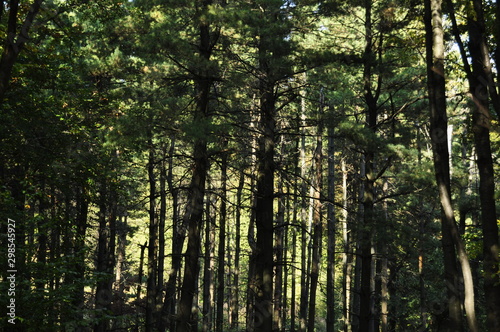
151, 290
331, 227
317, 226
279, 248
479, 81
251, 288
101, 296
42, 239
208, 269
221, 265
421, 275
293, 305
357, 250
235, 302
77, 248
285, 313
384, 268
160, 287
119, 284
139, 285
178, 236
347, 257
304, 277
121, 233
438, 130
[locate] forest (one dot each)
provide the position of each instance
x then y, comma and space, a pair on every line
249, 165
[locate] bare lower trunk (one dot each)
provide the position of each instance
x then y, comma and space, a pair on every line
346, 256
194, 215
235, 302
279, 254
331, 225
221, 267
152, 244
208, 270
317, 226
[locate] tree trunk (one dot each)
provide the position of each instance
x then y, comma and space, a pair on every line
194, 210
366, 314
121, 245
251, 289
317, 225
304, 276
347, 257
235, 302
178, 236
293, 305
160, 287
194, 215
438, 130
383, 266
479, 81
331, 227
208, 269
151, 290
279, 249
221, 265
264, 214
139, 284
357, 253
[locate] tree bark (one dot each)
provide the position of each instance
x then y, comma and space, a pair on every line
235, 302
438, 130
331, 228
221, 267
317, 225
178, 237
279, 250
264, 214
208, 269
193, 215
160, 287
293, 305
479, 81
366, 315
151, 291
304, 276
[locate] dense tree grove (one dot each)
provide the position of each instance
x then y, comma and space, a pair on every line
249, 165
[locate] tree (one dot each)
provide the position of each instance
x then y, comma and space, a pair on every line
16, 38
438, 129
194, 208
481, 86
